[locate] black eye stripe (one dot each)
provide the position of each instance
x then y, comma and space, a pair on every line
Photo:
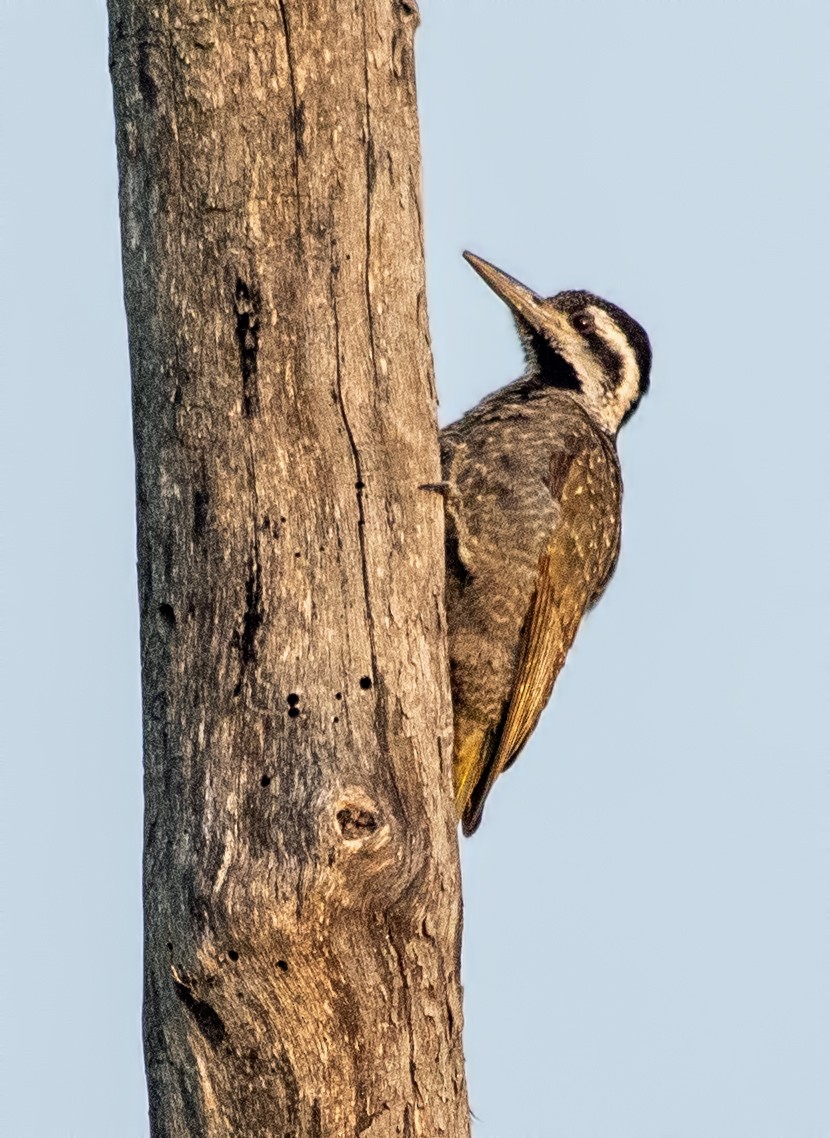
578, 300
612, 361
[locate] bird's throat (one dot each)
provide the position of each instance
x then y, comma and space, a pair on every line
549, 367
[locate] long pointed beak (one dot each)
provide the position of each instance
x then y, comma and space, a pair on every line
521, 300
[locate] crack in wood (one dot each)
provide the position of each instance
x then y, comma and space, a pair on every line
370, 183
407, 1000
253, 616
360, 484
147, 86
246, 307
297, 119
201, 501
206, 1018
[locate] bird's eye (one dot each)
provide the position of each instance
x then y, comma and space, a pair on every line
583, 322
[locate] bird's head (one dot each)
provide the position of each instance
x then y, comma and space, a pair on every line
578, 342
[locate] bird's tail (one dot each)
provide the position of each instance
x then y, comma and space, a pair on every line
474, 750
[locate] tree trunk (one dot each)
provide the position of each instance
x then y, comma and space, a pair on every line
302, 903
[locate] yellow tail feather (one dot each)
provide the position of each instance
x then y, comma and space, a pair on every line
468, 763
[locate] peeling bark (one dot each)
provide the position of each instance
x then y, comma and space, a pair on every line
302, 903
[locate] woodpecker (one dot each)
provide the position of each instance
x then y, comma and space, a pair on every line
533, 492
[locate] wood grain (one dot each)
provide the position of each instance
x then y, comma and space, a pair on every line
302, 900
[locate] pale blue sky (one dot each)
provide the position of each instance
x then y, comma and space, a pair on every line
647, 940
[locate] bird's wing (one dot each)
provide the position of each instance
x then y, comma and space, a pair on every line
573, 568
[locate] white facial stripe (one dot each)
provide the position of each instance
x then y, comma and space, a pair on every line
629, 384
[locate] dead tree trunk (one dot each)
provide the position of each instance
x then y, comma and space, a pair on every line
302, 905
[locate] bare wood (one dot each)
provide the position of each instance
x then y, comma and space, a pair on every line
302, 904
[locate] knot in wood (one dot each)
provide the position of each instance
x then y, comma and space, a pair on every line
371, 863
356, 823
360, 822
